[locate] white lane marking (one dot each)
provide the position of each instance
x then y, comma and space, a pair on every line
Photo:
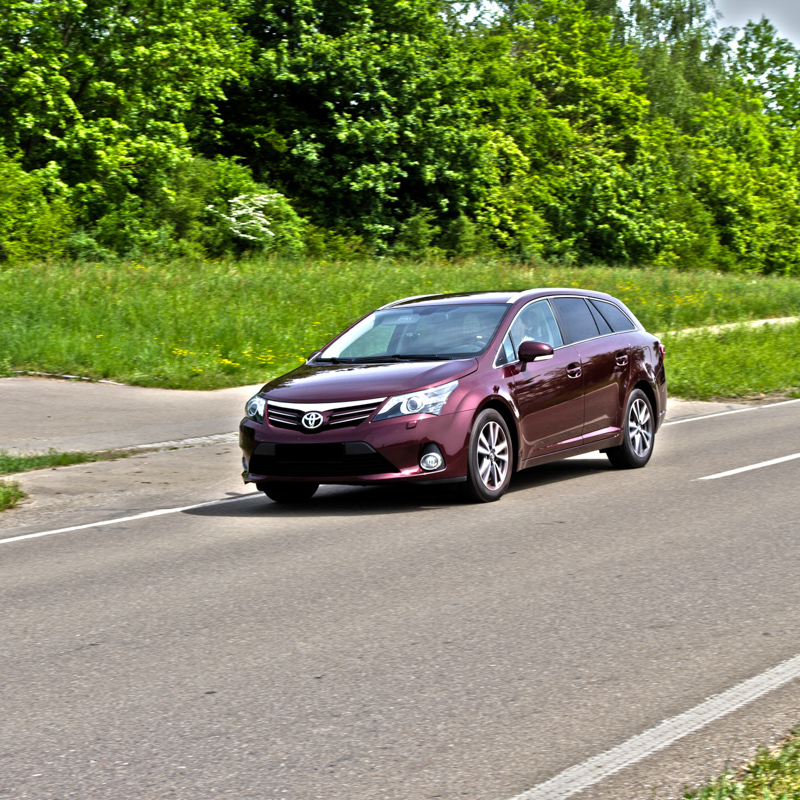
736, 411
581, 776
157, 513
747, 469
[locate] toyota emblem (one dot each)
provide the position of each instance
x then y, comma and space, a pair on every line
312, 420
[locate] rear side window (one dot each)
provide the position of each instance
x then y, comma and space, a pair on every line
614, 316
577, 318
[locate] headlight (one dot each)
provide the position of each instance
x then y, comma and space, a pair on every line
427, 401
255, 408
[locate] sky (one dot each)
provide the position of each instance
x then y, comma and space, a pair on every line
783, 14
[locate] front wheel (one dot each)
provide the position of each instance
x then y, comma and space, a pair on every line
638, 434
281, 492
490, 459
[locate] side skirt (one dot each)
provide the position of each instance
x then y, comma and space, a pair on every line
558, 455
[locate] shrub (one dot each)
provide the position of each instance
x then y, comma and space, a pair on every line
34, 217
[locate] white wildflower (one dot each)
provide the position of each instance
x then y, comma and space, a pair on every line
247, 217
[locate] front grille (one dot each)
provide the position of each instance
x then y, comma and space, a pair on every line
283, 417
339, 415
335, 460
350, 416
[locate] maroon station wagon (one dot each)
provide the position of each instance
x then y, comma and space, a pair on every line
460, 388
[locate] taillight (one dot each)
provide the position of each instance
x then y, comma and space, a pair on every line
662, 349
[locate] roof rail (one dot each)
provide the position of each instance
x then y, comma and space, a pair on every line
406, 300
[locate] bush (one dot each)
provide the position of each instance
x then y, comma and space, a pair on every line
198, 212
34, 217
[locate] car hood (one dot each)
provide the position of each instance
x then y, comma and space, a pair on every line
332, 383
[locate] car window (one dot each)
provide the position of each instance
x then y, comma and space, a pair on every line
535, 323
616, 318
602, 325
506, 354
444, 331
577, 318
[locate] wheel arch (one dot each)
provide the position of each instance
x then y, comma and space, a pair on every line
508, 415
651, 396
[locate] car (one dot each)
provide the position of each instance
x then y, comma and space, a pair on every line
460, 388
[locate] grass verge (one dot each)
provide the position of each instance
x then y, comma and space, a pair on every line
10, 494
205, 325
11, 463
739, 362
774, 775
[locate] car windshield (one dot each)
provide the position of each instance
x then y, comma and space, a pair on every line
419, 332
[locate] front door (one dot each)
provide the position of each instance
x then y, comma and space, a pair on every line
548, 394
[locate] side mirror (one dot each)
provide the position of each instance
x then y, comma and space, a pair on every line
316, 352
534, 351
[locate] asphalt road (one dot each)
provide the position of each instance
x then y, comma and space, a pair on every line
394, 644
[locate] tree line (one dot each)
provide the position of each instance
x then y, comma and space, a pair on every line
558, 129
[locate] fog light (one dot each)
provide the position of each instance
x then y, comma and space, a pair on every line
431, 461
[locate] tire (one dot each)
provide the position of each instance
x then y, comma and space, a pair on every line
638, 434
281, 492
490, 459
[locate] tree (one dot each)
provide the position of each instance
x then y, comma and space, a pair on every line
104, 88
361, 112
770, 65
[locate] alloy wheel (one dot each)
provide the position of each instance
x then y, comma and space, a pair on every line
493, 455
640, 427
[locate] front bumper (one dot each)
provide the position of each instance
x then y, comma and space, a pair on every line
369, 453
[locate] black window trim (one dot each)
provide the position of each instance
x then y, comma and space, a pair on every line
624, 314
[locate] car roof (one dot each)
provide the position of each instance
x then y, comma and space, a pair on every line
509, 297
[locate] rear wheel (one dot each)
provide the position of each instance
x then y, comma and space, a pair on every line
490, 459
638, 434
282, 492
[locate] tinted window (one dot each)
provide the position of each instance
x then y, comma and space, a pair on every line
576, 317
536, 323
614, 316
602, 325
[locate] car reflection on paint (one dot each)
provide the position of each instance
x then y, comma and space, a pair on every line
464, 389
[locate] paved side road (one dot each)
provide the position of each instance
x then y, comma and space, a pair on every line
39, 413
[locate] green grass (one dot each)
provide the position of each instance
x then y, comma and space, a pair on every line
740, 362
10, 494
11, 463
204, 325
774, 775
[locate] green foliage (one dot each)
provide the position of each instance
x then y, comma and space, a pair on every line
204, 324
740, 362
581, 131
361, 113
10, 494
11, 463
107, 89
34, 216
773, 775
192, 216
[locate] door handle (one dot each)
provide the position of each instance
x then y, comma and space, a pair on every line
574, 370
622, 359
